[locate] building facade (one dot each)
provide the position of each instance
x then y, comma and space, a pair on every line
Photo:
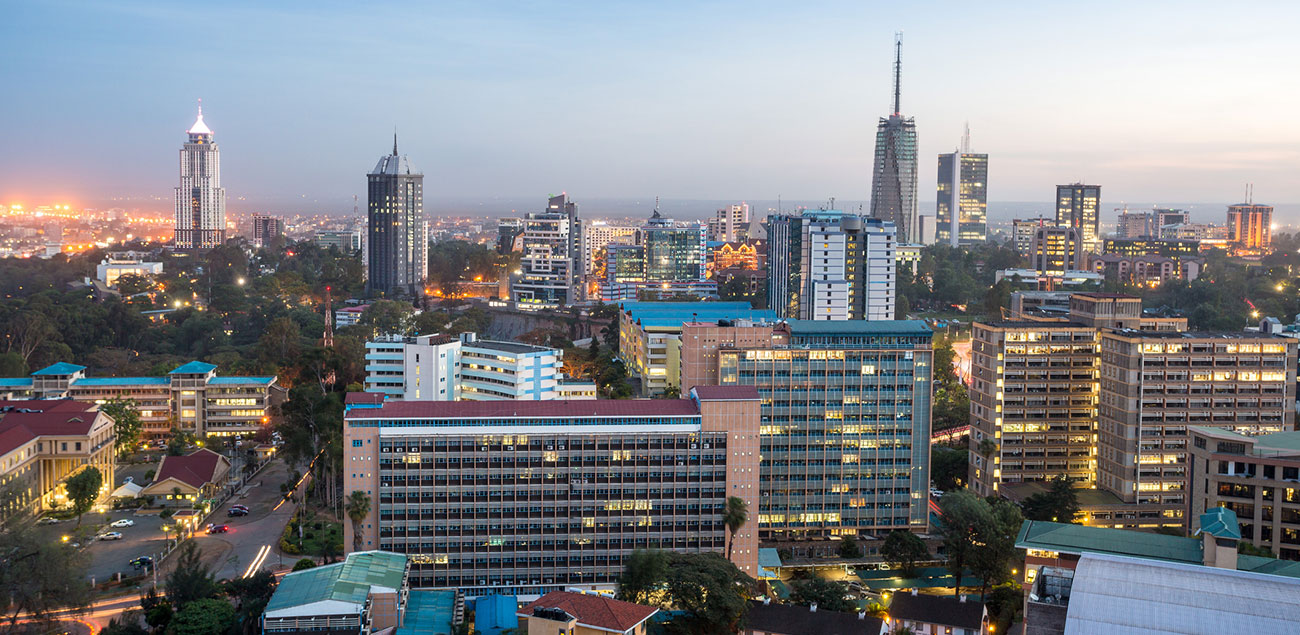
1133, 225
1079, 206
1257, 477
552, 260
1022, 232
347, 241
894, 174
1056, 250
597, 237
730, 224
828, 265
650, 337
266, 228
44, 442
485, 497
673, 252
1250, 227
845, 436
421, 367
397, 242
200, 199
962, 207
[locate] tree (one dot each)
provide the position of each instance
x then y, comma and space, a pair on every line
304, 563
1059, 504
979, 536
963, 515
358, 507
902, 549
202, 617
178, 443
849, 548
126, 423
12, 364
828, 595
710, 592
948, 466
387, 317
83, 490
132, 283
734, 517
37, 576
127, 624
643, 573
996, 552
191, 580
157, 610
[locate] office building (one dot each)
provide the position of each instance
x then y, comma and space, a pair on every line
845, 435
650, 336
450, 368
192, 397
200, 199
730, 224
962, 206
42, 444
1166, 216
110, 269
828, 265
1153, 385
1201, 232
1079, 206
1151, 247
597, 237
266, 228
489, 497
673, 252
1023, 230
347, 241
1250, 228
1146, 271
552, 259
398, 233
1257, 477
508, 231
926, 230
1056, 250
893, 182
1133, 225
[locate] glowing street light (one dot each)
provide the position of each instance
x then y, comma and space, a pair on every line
240, 281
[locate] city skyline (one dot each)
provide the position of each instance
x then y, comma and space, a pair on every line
656, 115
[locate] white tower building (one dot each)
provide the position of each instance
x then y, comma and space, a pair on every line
200, 199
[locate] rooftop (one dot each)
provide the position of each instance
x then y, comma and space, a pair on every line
937, 609
194, 368
528, 409
596, 611
859, 327
393, 165
25, 420
429, 612
789, 618
124, 381
726, 393
61, 368
1220, 522
674, 314
195, 469
249, 380
508, 347
1194, 335
348, 582
1047, 326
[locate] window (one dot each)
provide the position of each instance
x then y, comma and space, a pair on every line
356, 443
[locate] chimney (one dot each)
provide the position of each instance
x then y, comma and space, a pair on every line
813, 608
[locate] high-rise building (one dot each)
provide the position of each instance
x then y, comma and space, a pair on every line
597, 235
828, 265
552, 259
200, 199
1023, 232
962, 206
845, 436
398, 236
266, 228
730, 224
1079, 206
347, 241
1056, 250
1250, 227
893, 183
1165, 216
491, 497
1135, 225
673, 252
508, 229
422, 367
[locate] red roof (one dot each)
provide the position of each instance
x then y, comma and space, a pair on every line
23, 421
528, 409
364, 398
195, 469
596, 611
726, 393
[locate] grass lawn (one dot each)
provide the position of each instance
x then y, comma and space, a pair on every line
315, 532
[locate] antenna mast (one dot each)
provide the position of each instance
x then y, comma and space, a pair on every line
965, 140
898, 70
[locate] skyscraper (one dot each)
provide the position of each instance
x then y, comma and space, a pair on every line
828, 265
963, 180
552, 260
398, 232
1079, 206
1250, 227
893, 183
673, 253
266, 228
200, 199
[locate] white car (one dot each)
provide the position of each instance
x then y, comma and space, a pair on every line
111, 535
125, 522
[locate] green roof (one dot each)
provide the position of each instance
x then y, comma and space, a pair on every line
1279, 441
1220, 522
859, 327
349, 581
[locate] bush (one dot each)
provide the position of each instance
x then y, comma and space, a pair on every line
148, 476
305, 563
166, 513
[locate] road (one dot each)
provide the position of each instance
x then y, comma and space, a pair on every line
962, 359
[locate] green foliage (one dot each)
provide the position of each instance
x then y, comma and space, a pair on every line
83, 490
1251, 549
126, 423
828, 595
304, 563
127, 624
979, 536
1058, 504
948, 466
12, 364
202, 617
948, 277
849, 548
1004, 604
388, 317
38, 576
709, 592
191, 581
357, 507
903, 549
734, 517
644, 572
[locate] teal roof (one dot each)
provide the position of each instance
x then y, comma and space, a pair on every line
16, 382
859, 327
348, 581
1220, 522
431, 611
1279, 441
194, 368
243, 380
61, 368
123, 381
674, 314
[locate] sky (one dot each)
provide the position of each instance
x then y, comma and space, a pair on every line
1155, 101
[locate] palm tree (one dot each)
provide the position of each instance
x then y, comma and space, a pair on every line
734, 518
357, 508
986, 448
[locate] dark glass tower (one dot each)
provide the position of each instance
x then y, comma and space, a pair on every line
893, 183
398, 237
1078, 206
962, 203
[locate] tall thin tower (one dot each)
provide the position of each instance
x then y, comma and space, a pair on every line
200, 199
397, 237
893, 183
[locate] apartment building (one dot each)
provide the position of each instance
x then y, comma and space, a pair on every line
1154, 385
1257, 477
414, 367
192, 397
488, 497
42, 443
828, 265
846, 421
650, 336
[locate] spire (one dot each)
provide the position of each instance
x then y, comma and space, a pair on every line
898, 70
199, 127
394, 140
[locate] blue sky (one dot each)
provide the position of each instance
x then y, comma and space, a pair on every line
1170, 101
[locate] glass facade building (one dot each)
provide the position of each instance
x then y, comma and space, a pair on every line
673, 253
1079, 206
963, 183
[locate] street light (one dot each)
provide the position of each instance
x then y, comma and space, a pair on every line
240, 281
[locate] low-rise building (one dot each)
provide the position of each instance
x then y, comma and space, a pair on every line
490, 497
42, 443
347, 241
192, 397
111, 269
349, 315
367, 592
768, 618
181, 481
573, 613
650, 336
938, 614
1257, 477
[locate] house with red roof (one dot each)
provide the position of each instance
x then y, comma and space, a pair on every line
42, 443
583, 614
197, 475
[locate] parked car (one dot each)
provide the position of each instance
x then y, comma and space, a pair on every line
235, 511
48, 520
240, 506
110, 535
125, 522
143, 562
219, 529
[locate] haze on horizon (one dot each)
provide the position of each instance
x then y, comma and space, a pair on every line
720, 100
